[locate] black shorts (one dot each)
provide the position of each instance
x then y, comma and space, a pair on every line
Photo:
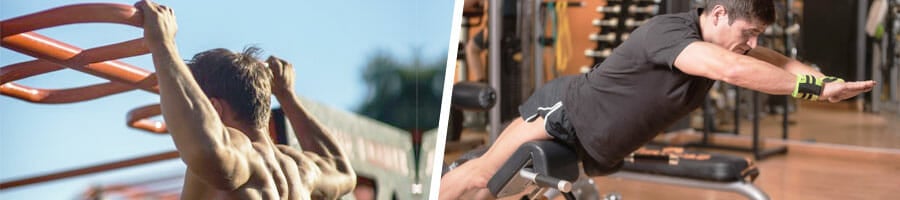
547, 102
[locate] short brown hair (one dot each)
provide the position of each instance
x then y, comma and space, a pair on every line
762, 10
239, 79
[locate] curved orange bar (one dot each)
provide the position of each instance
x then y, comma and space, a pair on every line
55, 55
95, 61
27, 69
139, 118
91, 61
51, 96
80, 13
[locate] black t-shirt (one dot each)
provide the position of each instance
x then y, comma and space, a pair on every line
636, 92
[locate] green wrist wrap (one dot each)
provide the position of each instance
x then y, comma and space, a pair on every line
808, 87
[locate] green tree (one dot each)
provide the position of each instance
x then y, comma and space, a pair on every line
406, 95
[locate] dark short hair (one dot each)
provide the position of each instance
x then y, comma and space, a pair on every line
239, 79
762, 10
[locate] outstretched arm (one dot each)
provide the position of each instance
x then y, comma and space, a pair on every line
791, 65
337, 176
202, 140
714, 62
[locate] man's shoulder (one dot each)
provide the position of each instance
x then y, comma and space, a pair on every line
677, 19
669, 27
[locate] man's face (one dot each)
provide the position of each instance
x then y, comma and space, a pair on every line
739, 36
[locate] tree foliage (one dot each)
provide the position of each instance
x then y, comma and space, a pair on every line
406, 95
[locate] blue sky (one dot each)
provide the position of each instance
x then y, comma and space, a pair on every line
328, 42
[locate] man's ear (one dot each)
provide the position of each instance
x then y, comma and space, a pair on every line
719, 13
218, 105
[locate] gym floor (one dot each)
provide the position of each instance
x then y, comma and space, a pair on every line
834, 152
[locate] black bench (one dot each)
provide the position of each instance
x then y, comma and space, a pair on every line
674, 165
544, 163
547, 164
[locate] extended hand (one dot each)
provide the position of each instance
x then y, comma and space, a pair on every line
282, 76
838, 91
159, 22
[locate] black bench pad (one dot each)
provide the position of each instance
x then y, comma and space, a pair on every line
544, 157
674, 161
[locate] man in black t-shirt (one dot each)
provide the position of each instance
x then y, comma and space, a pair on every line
659, 75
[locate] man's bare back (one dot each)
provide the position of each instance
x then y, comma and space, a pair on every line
217, 111
277, 172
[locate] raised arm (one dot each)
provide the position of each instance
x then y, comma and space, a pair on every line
338, 177
714, 62
791, 65
204, 143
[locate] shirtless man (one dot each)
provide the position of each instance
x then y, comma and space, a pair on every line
217, 111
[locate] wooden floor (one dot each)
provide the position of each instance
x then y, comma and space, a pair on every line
835, 152
832, 124
808, 171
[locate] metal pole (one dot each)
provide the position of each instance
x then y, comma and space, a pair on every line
90, 170
538, 46
706, 120
789, 46
463, 73
792, 52
756, 126
494, 35
861, 15
737, 109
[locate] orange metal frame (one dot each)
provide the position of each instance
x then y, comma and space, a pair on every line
53, 55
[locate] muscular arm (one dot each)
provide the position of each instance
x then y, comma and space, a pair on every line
791, 65
713, 62
200, 137
336, 175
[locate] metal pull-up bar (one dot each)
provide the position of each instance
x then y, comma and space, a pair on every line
53, 55
90, 170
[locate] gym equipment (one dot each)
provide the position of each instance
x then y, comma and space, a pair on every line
757, 149
674, 165
608, 37
649, 10
619, 19
518, 34
882, 26
522, 171
605, 22
609, 9
598, 53
473, 96
55, 55
547, 164
542, 163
